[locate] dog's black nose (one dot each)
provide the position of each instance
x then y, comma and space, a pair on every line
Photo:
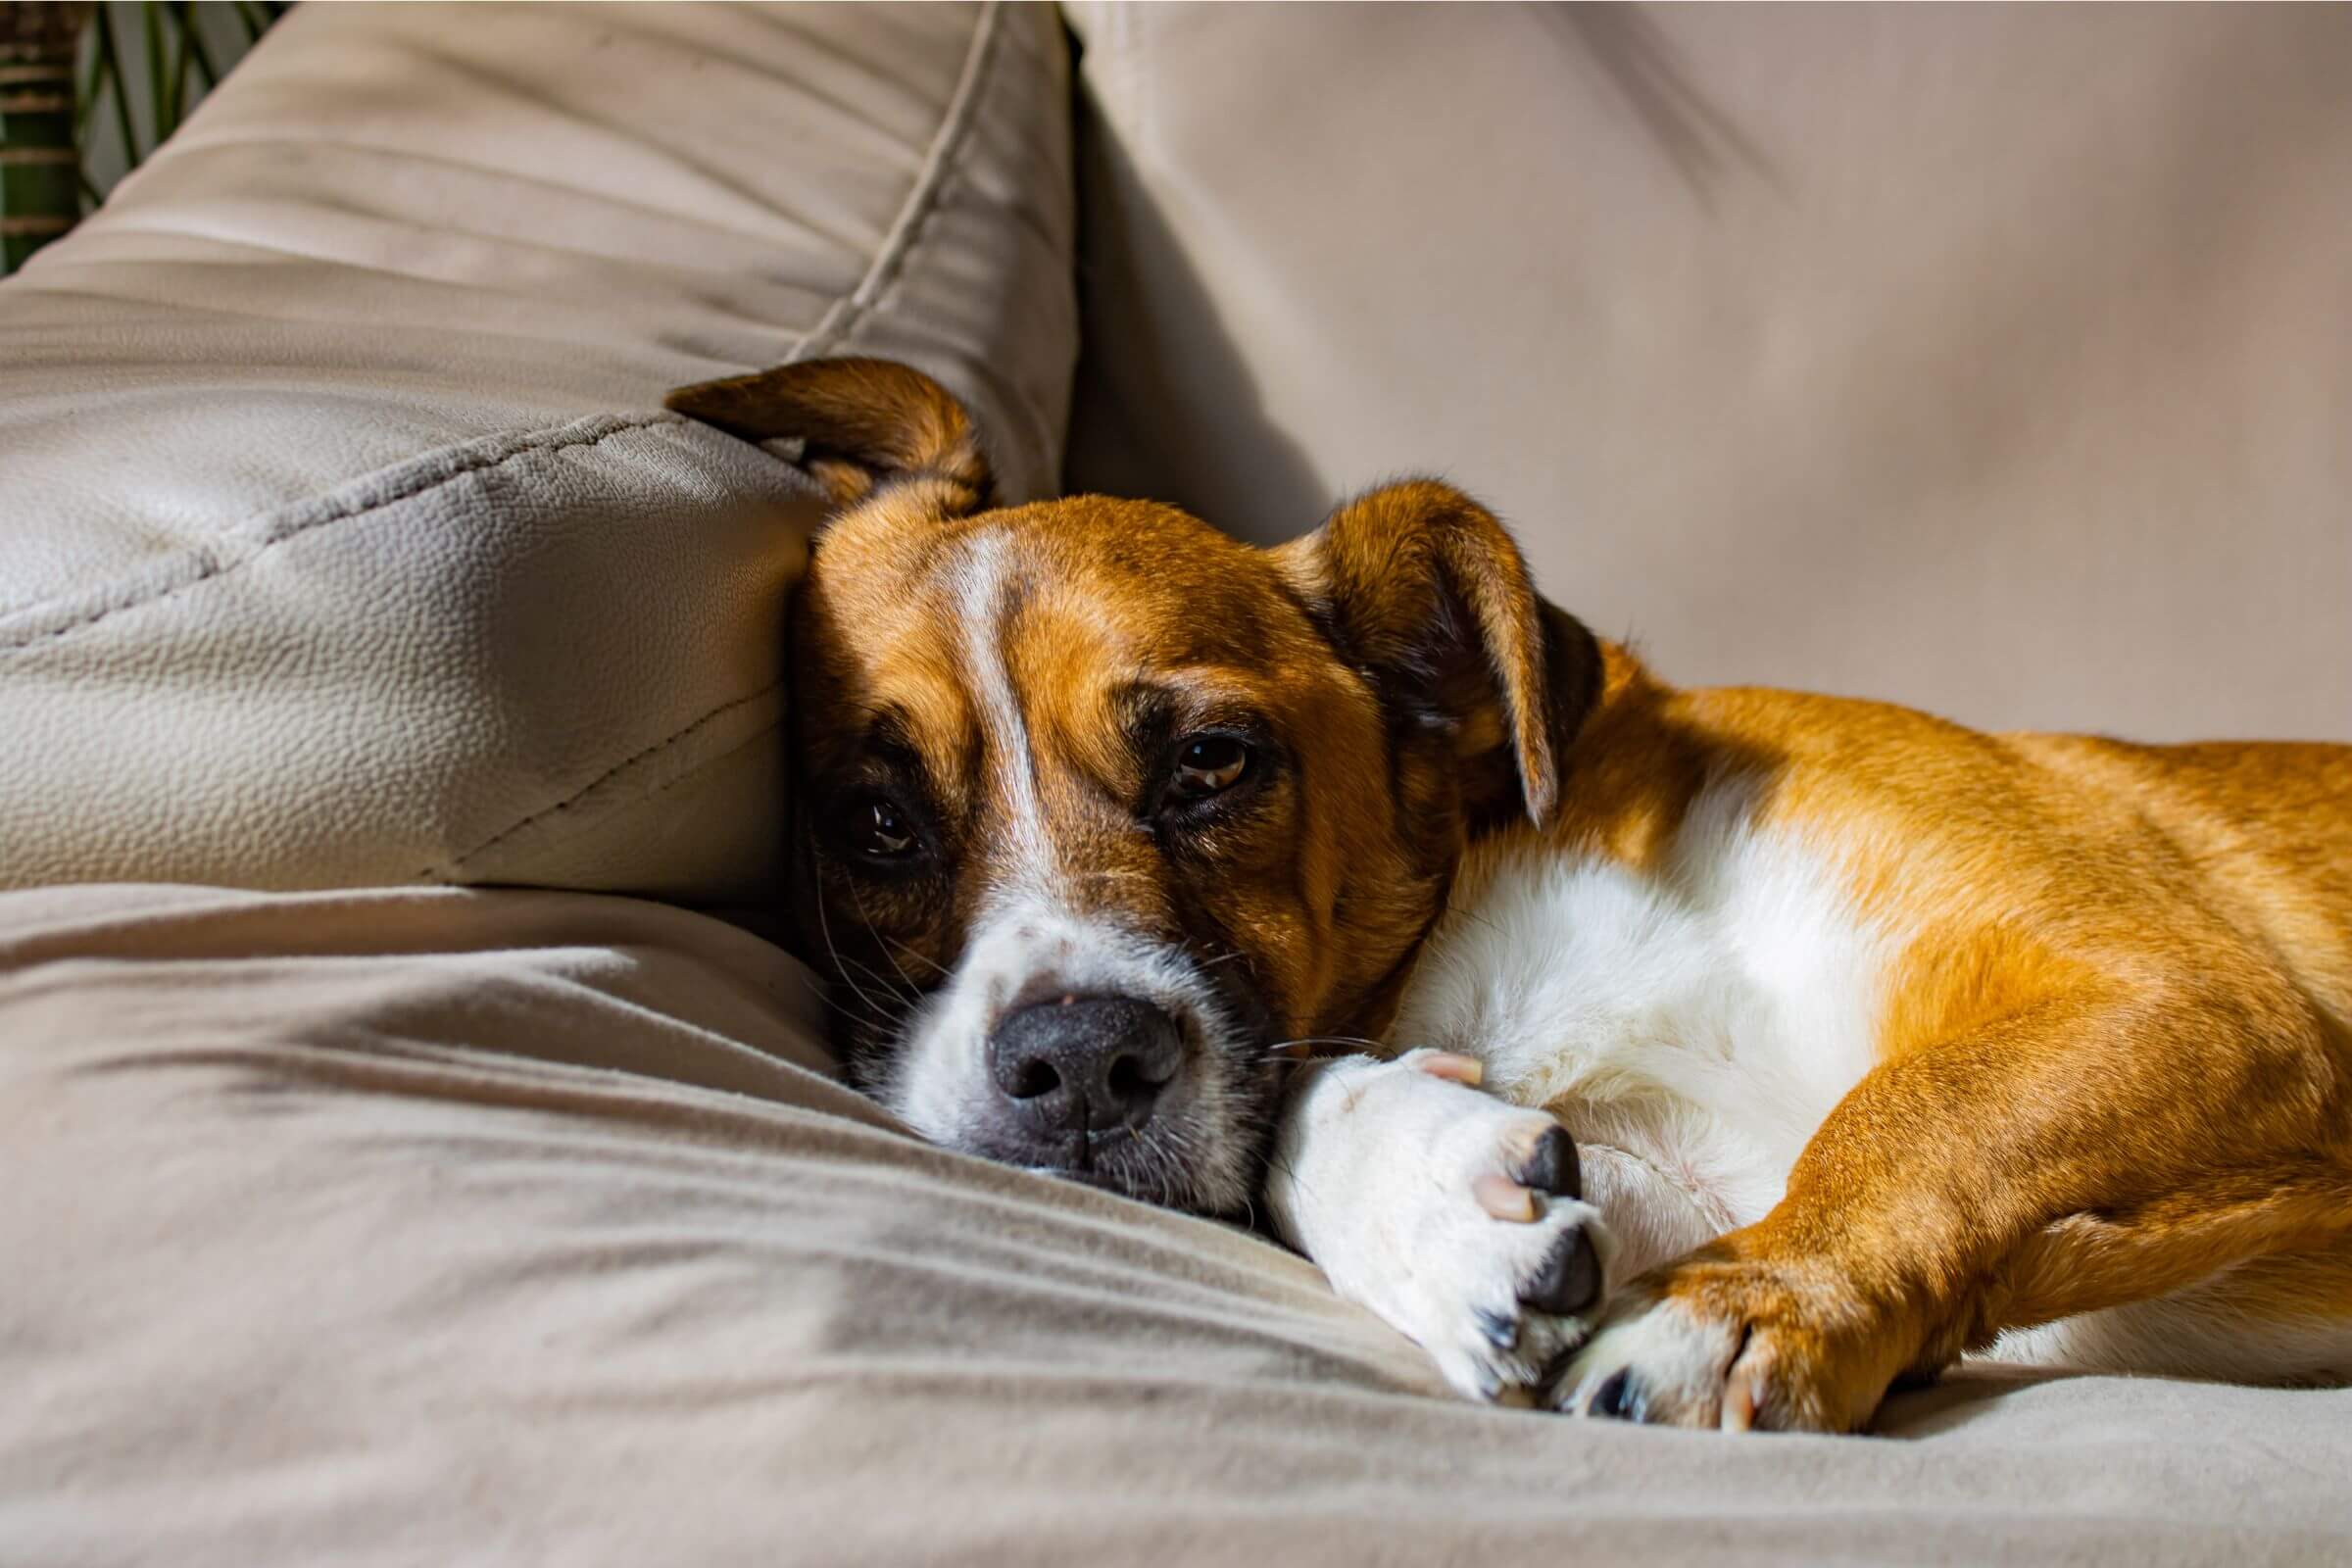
1084, 1063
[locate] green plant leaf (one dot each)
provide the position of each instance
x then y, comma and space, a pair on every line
85, 99
150, 24
121, 87
197, 52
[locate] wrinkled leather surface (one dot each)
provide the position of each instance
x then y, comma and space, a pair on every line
440, 1226
1990, 358
342, 538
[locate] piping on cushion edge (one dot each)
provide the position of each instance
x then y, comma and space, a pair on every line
489, 452
929, 181
1002, 398
355, 497
910, 230
838, 321
900, 243
841, 318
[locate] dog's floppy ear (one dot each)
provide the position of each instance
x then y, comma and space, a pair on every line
861, 422
1420, 588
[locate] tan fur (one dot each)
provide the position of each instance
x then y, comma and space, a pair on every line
2115, 1058
854, 418
1324, 889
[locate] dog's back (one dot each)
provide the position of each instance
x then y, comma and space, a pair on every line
2267, 826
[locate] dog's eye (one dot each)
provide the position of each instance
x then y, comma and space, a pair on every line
1208, 764
880, 831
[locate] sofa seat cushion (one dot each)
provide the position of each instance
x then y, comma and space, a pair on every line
346, 539
446, 1225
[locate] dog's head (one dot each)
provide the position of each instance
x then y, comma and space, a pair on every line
1099, 812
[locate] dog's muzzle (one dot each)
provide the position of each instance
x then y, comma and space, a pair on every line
1078, 1072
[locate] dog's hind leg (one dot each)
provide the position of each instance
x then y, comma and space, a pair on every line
2284, 1319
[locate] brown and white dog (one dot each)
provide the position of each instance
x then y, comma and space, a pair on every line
1882, 1040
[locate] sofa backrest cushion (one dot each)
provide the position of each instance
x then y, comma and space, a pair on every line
345, 540
1988, 358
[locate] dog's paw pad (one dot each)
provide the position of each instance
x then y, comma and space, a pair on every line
1544, 1156
1501, 1329
1618, 1398
1568, 1282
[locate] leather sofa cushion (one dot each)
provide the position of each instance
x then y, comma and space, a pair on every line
441, 1225
1986, 359
346, 540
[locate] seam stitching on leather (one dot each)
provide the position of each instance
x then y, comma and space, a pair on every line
1011, 401
930, 181
905, 237
456, 863
217, 568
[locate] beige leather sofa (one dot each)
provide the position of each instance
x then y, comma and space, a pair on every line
400, 1159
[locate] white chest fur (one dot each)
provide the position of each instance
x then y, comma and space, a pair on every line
1692, 1026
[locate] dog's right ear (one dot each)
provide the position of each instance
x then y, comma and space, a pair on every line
1422, 590
860, 423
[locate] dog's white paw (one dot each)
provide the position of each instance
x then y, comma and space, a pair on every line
1455, 1216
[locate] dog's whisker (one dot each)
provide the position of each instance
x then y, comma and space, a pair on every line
887, 986
1163, 1169
859, 1008
932, 964
1301, 1049
890, 945
866, 919
824, 926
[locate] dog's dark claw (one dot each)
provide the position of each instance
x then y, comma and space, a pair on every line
1618, 1398
1551, 1167
1501, 1329
1569, 1280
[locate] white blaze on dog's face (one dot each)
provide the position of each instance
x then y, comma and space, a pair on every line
1097, 808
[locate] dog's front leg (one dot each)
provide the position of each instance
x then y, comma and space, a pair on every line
2084, 1153
1455, 1216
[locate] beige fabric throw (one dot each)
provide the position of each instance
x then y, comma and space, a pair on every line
440, 1227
